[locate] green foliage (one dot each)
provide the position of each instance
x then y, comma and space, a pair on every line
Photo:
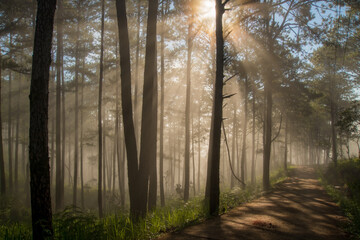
75, 223
342, 182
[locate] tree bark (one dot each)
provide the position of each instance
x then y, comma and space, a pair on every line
100, 153
267, 113
162, 85
286, 144
126, 103
333, 130
2, 164
9, 134
243, 150
38, 148
199, 150
212, 184
81, 135
137, 63
63, 119
16, 167
149, 145
76, 143
187, 114
233, 148
138, 178
253, 164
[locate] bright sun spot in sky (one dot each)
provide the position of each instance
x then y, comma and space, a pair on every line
206, 10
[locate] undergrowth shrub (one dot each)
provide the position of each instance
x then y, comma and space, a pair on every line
342, 182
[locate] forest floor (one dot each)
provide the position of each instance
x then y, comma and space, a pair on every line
298, 208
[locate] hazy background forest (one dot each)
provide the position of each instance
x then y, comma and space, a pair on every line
297, 59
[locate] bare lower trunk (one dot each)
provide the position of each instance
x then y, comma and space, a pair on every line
38, 148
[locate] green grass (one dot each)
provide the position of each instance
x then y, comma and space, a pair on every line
342, 183
74, 223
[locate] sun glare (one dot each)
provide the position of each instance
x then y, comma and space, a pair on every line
206, 10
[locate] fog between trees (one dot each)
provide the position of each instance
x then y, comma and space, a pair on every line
290, 79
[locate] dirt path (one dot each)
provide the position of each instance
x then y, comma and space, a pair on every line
297, 209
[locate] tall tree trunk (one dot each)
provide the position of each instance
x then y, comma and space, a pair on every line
100, 200
138, 178
2, 164
212, 184
38, 149
151, 75
63, 147
76, 149
187, 114
199, 150
81, 134
52, 157
16, 167
9, 133
243, 150
59, 169
104, 159
333, 130
267, 114
162, 83
126, 102
117, 138
253, 166
233, 148
286, 144
193, 152
137, 64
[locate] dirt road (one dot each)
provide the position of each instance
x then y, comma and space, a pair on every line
297, 209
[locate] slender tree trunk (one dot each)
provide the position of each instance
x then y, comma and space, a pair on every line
149, 108
59, 169
233, 148
243, 150
38, 149
10, 135
193, 152
162, 85
152, 56
16, 169
2, 165
63, 147
267, 116
212, 184
137, 63
76, 149
291, 149
81, 135
52, 157
253, 176
187, 114
104, 159
333, 131
117, 138
286, 144
100, 200
199, 150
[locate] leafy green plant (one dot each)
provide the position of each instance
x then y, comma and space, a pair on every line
342, 183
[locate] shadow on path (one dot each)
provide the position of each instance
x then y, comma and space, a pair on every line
297, 209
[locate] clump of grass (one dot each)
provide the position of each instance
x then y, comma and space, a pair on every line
342, 183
